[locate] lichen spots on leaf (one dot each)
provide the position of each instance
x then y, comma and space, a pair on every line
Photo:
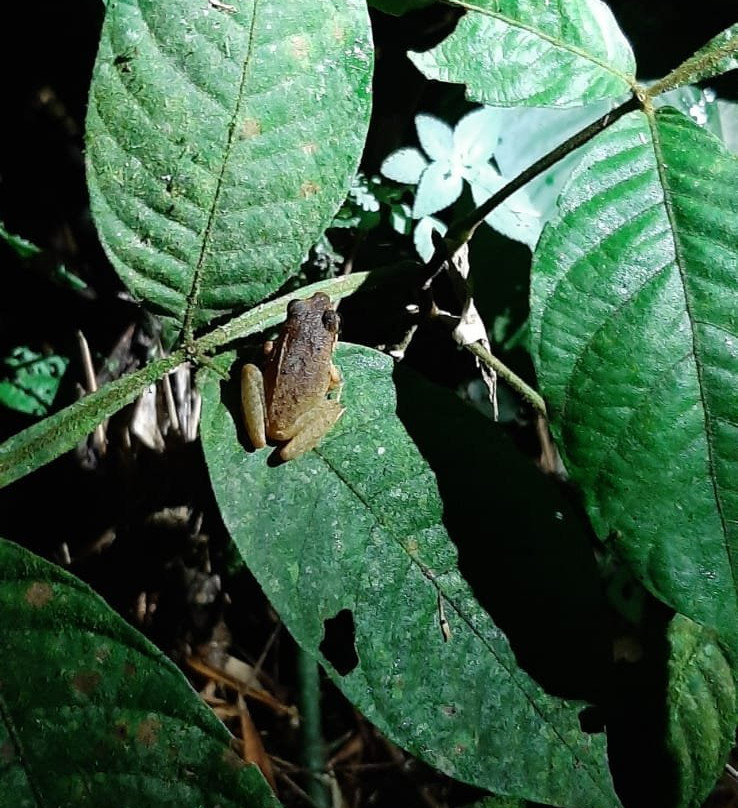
102, 654
39, 594
308, 189
412, 546
147, 732
250, 127
86, 682
299, 47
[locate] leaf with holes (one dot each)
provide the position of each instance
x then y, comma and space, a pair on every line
634, 323
220, 141
349, 539
92, 714
534, 52
700, 724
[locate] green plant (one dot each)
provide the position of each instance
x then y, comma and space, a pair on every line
220, 143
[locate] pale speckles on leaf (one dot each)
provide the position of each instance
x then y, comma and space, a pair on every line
39, 594
411, 545
251, 127
102, 654
309, 148
299, 47
308, 189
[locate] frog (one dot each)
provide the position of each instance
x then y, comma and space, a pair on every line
288, 401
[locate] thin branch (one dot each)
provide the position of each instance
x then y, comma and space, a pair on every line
461, 231
312, 751
504, 372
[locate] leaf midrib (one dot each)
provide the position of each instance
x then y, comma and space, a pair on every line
425, 572
545, 37
193, 296
679, 258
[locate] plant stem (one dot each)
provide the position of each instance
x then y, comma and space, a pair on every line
312, 746
46, 440
462, 230
269, 314
504, 372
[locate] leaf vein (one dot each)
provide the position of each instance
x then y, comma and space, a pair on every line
682, 267
460, 612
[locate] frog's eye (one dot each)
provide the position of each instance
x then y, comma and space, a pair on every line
296, 307
331, 321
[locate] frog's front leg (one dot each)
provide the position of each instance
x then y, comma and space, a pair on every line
336, 380
309, 429
253, 403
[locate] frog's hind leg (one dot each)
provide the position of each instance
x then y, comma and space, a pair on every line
310, 428
253, 404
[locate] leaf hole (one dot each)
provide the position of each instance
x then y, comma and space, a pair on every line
338, 643
591, 720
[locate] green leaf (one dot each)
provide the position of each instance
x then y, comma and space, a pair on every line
634, 322
220, 142
352, 534
25, 250
92, 714
701, 710
33, 380
534, 52
20, 246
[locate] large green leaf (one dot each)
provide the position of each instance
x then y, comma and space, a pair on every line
700, 710
355, 530
92, 714
534, 52
634, 321
32, 380
220, 142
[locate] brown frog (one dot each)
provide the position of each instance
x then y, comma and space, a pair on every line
287, 402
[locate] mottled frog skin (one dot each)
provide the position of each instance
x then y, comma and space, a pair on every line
287, 402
